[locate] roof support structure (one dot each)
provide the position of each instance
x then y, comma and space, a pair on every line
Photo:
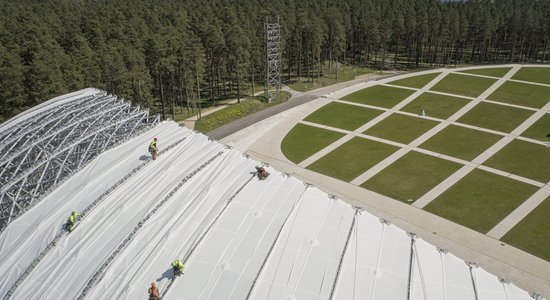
43, 150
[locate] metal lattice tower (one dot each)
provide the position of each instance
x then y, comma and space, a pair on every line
43, 147
273, 60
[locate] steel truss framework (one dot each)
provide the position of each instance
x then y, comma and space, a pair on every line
41, 151
273, 60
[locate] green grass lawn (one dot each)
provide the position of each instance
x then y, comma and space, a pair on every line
411, 176
344, 116
435, 105
352, 158
523, 158
460, 142
401, 128
540, 130
533, 74
302, 141
463, 85
379, 95
416, 81
480, 200
525, 94
496, 117
532, 234
494, 72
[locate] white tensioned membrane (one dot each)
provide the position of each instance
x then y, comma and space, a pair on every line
23, 239
241, 238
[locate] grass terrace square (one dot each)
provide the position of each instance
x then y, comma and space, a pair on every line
343, 116
461, 142
532, 234
303, 141
496, 117
463, 85
524, 94
540, 130
401, 128
524, 159
379, 95
352, 159
411, 176
493, 72
416, 81
533, 74
481, 200
435, 105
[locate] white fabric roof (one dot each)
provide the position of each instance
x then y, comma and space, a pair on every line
241, 238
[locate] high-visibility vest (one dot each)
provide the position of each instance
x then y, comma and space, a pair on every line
177, 264
73, 216
152, 146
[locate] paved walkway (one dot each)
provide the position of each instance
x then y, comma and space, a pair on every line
262, 141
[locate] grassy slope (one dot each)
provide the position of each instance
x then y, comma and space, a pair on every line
460, 142
540, 130
463, 85
524, 94
494, 72
401, 128
352, 158
416, 81
435, 105
351, 116
480, 200
411, 176
534, 74
379, 95
236, 111
532, 234
523, 158
294, 144
496, 117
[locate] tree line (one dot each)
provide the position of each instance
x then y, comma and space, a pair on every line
167, 54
